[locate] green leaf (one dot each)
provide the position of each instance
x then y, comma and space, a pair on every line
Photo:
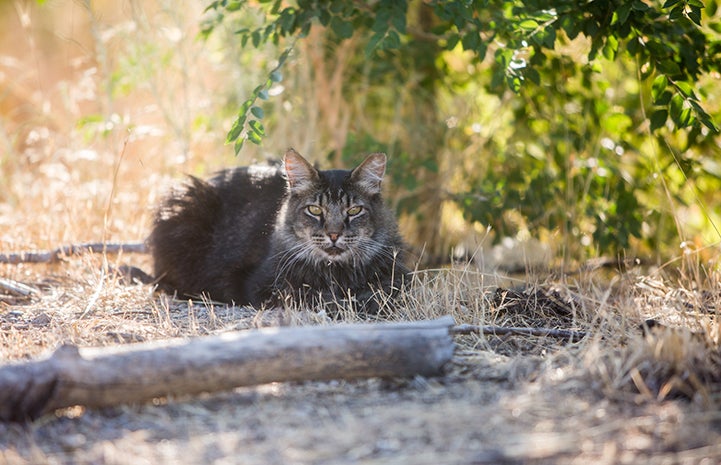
610, 47
694, 14
669, 67
373, 43
548, 37
685, 89
287, 21
257, 112
471, 41
658, 86
675, 109
658, 119
452, 41
514, 83
257, 127
704, 117
324, 18
392, 40
687, 117
532, 75
276, 76
709, 123
284, 56
276, 7
399, 22
664, 98
336, 6
677, 13
255, 137
238, 145
528, 25
621, 14
236, 129
343, 29
234, 5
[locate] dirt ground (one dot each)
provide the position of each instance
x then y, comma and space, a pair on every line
612, 397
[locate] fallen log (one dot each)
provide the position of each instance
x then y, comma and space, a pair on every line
133, 373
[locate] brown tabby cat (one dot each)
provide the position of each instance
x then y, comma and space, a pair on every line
262, 234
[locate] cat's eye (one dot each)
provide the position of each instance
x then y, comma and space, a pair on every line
353, 211
314, 210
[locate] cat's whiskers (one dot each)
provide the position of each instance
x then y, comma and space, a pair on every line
288, 257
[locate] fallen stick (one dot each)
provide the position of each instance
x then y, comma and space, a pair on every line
504, 330
107, 376
17, 288
52, 256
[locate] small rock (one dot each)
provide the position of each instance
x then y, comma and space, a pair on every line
41, 320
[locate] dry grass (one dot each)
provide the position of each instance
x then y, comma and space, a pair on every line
80, 162
618, 396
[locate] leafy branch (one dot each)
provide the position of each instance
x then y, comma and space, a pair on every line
668, 41
247, 125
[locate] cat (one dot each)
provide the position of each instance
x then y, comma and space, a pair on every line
262, 235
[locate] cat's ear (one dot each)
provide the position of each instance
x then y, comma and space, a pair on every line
301, 174
369, 174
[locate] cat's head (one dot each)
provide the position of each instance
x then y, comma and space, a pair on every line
335, 216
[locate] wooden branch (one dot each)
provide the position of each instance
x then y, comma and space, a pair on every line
101, 377
504, 330
52, 256
17, 288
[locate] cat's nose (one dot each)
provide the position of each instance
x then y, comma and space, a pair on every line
333, 237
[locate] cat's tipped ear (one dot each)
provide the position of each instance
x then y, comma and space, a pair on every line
369, 174
301, 174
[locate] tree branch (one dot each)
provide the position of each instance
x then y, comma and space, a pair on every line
501, 331
53, 256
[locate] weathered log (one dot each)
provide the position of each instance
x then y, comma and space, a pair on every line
107, 376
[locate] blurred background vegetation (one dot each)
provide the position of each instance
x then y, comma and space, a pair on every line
582, 128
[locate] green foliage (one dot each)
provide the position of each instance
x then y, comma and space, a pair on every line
247, 125
576, 156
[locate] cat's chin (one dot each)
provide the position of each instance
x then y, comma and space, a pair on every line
333, 254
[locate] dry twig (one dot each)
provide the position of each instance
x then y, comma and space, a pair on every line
52, 256
16, 288
504, 330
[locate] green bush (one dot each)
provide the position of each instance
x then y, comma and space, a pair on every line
608, 128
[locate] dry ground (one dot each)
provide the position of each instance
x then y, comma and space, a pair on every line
615, 396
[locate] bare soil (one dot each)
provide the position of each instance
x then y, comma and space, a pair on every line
615, 396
